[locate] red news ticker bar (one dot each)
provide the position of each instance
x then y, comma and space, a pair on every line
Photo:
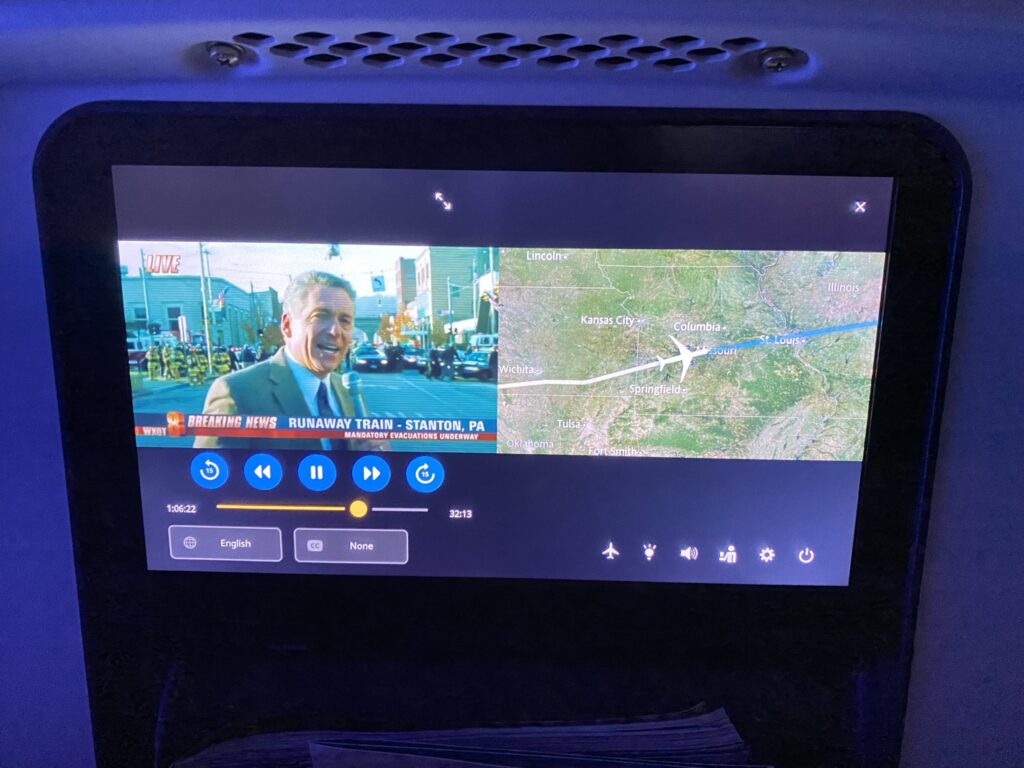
377, 434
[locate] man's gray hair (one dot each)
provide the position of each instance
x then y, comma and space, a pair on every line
300, 286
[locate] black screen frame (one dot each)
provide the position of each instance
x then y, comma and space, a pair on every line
153, 616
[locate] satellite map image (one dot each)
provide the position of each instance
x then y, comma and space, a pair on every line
705, 354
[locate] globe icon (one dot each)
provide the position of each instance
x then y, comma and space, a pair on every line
190, 542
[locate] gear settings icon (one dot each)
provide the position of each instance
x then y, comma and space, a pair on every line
767, 554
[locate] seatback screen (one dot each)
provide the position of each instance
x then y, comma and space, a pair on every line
637, 377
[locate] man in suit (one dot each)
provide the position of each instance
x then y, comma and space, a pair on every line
299, 379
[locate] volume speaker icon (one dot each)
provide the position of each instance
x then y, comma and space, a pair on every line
690, 553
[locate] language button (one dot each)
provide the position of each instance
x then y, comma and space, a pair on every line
223, 542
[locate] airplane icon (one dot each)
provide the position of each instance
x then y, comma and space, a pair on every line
611, 553
685, 357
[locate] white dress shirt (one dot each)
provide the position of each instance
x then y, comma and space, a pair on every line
309, 384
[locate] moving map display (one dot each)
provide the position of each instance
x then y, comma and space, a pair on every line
704, 354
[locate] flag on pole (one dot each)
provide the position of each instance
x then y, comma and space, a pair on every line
218, 303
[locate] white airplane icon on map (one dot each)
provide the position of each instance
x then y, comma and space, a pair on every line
685, 357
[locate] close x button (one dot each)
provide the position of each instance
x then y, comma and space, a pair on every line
353, 546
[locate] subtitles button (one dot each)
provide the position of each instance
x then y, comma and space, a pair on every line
317, 473
263, 472
209, 470
371, 473
424, 474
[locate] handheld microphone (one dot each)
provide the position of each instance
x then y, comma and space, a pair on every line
353, 384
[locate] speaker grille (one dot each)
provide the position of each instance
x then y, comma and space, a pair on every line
442, 50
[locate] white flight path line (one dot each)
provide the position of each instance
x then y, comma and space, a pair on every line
684, 357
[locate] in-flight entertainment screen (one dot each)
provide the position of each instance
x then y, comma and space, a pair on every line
557, 375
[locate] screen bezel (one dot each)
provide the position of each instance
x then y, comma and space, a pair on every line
870, 619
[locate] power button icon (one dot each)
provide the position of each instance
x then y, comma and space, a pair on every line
805, 555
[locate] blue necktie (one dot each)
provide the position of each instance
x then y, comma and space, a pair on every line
323, 410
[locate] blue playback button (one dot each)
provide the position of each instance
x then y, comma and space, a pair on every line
371, 473
424, 474
209, 470
263, 472
317, 473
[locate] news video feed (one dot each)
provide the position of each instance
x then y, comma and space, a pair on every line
712, 354
405, 338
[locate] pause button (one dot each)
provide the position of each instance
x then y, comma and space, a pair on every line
317, 473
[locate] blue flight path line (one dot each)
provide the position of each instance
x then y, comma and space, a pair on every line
798, 335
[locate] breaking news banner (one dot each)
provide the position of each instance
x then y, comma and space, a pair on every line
177, 425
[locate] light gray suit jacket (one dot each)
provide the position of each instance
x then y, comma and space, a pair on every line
269, 389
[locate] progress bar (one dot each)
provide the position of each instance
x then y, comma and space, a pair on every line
283, 507
400, 509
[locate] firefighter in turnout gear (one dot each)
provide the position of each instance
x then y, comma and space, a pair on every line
179, 366
196, 368
154, 362
165, 357
221, 362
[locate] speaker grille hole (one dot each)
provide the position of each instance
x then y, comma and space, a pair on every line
708, 54
675, 65
681, 41
528, 50
348, 48
558, 61
616, 62
498, 38
647, 52
499, 61
253, 38
468, 49
291, 50
437, 38
314, 38
324, 60
383, 60
408, 49
441, 60
376, 38
620, 41
743, 44
557, 39
587, 51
